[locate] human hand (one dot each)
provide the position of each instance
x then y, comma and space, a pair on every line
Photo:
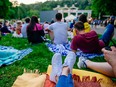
110, 56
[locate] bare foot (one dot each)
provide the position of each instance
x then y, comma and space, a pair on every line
65, 70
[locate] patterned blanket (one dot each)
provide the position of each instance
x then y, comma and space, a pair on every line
65, 48
9, 55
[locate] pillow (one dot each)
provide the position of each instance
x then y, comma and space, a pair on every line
30, 80
104, 80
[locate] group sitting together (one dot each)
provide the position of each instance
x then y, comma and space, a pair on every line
84, 39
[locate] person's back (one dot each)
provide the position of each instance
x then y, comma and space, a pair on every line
24, 28
5, 29
35, 35
88, 42
60, 32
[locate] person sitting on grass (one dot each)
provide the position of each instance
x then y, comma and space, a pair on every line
24, 27
17, 32
58, 31
87, 27
4, 29
89, 42
107, 68
61, 74
35, 31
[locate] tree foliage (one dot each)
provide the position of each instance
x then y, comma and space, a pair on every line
15, 10
9, 10
5, 8
33, 9
107, 7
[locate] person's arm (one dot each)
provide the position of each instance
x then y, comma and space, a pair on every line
110, 57
50, 32
49, 29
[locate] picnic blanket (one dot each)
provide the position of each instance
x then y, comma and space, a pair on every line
64, 49
9, 55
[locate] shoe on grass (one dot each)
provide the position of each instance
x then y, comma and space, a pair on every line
81, 63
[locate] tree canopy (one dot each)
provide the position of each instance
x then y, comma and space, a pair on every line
4, 8
13, 10
107, 7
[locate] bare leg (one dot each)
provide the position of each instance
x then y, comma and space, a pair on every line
65, 72
104, 67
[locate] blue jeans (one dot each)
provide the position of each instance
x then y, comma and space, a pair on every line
65, 81
108, 34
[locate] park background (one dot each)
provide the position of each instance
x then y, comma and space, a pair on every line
40, 58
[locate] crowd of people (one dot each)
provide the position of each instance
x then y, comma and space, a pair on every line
84, 39
88, 42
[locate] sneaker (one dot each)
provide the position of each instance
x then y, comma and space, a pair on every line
70, 60
56, 66
81, 63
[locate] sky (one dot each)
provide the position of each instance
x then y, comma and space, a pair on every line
30, 1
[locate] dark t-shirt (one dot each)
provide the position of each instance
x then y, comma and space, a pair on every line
35, 36
88, 43
5, 30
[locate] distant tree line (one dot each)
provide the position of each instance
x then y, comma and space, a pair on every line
12, 10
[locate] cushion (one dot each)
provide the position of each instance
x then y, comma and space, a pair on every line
104, 80
30, 80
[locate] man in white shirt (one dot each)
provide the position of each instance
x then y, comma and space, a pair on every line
24, 28
58, 31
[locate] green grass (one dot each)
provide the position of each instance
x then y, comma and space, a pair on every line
39, 59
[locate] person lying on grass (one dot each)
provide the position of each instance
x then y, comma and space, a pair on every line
107, 68
89, 42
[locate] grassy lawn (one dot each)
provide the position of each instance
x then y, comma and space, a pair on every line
40, 58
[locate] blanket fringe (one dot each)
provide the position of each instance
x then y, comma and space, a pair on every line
31, 71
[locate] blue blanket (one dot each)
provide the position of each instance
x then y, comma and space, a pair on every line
65, 48
9, 55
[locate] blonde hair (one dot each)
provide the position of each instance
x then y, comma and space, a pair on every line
19, 23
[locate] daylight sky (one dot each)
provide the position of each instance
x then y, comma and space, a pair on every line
30, 1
